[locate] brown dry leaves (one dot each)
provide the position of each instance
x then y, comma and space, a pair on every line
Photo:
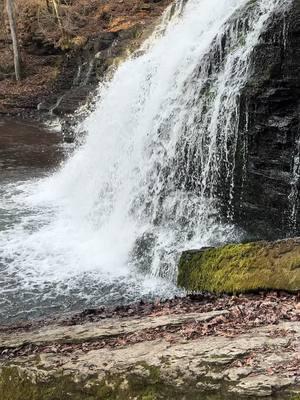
244, 312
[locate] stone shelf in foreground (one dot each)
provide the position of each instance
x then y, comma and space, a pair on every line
226, 348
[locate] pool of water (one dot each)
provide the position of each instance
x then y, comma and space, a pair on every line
27, 150
33, 280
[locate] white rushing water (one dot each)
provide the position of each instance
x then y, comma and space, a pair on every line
161, 148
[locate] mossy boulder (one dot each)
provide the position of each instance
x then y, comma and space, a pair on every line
237, 268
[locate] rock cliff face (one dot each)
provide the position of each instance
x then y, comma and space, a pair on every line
267, 197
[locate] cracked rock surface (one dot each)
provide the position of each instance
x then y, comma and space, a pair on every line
173, 357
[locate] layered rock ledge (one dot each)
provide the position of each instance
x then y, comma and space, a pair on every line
201, 347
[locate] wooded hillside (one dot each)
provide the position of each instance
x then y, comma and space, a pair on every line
50, 32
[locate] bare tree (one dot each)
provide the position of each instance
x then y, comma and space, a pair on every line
13, 31
56, 7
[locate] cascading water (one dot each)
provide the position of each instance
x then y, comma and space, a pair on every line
159, 158
294, 192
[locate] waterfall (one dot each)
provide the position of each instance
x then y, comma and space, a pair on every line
158, 162
293, 202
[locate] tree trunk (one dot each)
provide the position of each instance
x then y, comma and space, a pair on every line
13, 32
56, 10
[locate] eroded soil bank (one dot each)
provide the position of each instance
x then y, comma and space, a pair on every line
198, 347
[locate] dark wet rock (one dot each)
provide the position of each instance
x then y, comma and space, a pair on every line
82, 70
267, 191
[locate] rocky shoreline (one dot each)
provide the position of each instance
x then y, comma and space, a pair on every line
200, 346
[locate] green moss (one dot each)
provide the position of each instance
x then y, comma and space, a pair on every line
242, 267
295, 396
15, 384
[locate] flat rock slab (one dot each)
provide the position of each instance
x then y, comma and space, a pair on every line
100, 330
263, 362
